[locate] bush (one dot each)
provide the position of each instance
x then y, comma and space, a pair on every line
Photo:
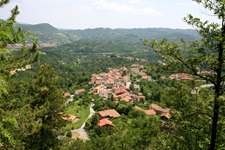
69, 134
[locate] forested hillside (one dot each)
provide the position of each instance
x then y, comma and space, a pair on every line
49, 34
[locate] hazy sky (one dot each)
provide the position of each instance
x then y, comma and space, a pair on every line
81, 14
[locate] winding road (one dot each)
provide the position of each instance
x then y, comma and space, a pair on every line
81, 131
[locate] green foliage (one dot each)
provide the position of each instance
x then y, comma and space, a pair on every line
11, 33
46, 102
206, 54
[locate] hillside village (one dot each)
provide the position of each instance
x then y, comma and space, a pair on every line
116, 84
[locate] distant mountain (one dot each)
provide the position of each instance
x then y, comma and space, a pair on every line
43, 27
46, 33
132, 35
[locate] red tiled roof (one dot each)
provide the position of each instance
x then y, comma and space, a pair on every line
109, 113
69, 117
155, 107
163, 77
120, 92
159, 109
147, 112
138, 108
141, 96
167, 115
104, 92
180, 76
104, 122
146, 77
127, 99
80, 91
67, 94
110, 81
150, 112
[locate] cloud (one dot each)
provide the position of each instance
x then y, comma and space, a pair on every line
134, 1
192, 3
149, 11
125, 8
103, 5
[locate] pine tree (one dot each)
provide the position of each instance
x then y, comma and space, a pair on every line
10, 34
46, 103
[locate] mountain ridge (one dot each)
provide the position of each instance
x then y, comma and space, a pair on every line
47, 33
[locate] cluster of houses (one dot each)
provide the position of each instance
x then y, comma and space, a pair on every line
106, 116
186, 76
181, 76
156, 109
114, 85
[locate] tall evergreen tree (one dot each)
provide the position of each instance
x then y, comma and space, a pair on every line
29, 109
10, 34
46, 103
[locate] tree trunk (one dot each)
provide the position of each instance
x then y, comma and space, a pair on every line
218, 86
214, 124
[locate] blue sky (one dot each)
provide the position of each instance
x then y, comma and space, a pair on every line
82, 14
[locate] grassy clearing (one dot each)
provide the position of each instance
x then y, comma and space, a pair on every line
79, 111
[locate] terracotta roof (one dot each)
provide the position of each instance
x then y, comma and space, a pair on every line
110, 81
138, 108
147, 112
67, 94
146, 77
141, 96
159, 109
69, 117
180, 76
127, 99
155, 107
163, 77
120, 92
150, 112
167, 115
109, 113
80, 91
185, 78
104, 122
104, 92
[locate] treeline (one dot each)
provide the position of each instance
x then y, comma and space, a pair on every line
94, 47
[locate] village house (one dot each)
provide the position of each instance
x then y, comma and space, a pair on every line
181, 76
104, 94
67, 94
105, 122
160, 111
79, 91
69, 117
110, 113
146, 77
109, 83
163, 77
147, 112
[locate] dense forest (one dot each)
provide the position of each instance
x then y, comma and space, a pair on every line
112, 88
